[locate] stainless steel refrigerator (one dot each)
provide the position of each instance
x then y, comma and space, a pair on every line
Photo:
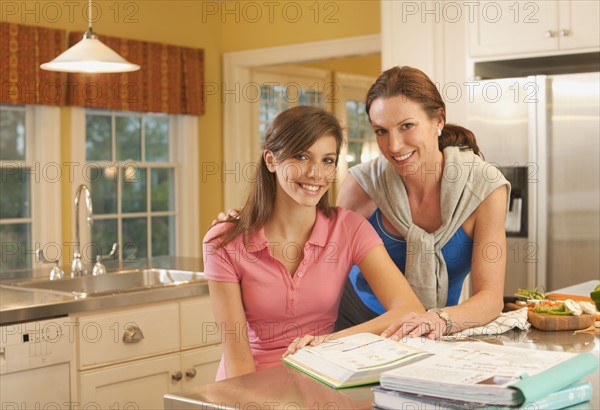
544, 133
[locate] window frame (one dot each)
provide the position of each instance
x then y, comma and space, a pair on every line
350, 87
183, 142
43, 154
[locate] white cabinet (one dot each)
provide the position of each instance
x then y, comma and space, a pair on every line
135, 385
504, 28
170, 346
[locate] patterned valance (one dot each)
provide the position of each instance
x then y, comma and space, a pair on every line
171, 78
22, 49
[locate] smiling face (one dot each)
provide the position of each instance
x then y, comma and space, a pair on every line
406, 135
304, 178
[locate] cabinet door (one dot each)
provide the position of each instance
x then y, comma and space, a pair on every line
135, 385
512, 27
101, 336
579, 26
199, 366
198, 326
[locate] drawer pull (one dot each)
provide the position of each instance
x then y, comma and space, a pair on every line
132, 334
190, 373
176, 376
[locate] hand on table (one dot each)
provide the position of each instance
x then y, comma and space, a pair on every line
306, 340
428, 324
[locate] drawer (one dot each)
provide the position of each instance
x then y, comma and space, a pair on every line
198, 326
101, 336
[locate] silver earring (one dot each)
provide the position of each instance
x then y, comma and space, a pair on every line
439, 132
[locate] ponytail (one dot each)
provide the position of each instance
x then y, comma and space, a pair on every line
456, 136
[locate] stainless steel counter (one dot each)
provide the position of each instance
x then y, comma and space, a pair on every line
282, 387
18, 305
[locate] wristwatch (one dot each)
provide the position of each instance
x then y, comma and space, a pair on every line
446, 319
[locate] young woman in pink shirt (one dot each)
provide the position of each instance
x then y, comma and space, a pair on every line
277, 272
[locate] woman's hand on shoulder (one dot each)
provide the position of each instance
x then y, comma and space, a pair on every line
226, 216
427, 324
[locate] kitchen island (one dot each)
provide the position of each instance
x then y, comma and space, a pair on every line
282, 387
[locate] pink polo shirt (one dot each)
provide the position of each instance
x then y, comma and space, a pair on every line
280, 307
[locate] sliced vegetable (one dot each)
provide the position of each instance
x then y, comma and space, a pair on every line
588, 307
559, 309
537, 294
573, 306
563, 296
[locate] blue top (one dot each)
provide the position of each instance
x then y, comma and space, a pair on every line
457, 254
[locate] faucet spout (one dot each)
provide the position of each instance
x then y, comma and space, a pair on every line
77, 268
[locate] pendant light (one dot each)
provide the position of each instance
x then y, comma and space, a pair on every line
90, 55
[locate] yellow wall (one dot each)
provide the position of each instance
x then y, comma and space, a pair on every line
364, 65
215, 26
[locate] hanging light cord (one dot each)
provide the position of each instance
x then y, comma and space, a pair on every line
90, 34
90, 15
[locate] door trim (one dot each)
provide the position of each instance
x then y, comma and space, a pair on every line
237, 94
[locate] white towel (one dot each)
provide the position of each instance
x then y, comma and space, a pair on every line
503, 323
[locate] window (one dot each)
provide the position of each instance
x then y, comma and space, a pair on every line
131, 172
362, 145
349, 108
282, 87
15, 185
30, 180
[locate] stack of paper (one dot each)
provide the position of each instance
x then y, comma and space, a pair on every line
480, 372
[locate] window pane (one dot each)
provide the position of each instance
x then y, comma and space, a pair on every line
104, 234
15, 198
15, 240
162, 189
97, 137
129, 138
12, 135
353, 155
134, 189
135, 231
104, 189
156, 130
163, 236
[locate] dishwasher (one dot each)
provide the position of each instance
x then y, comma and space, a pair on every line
34, 364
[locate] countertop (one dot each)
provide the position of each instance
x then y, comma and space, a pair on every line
19, 305
282, 387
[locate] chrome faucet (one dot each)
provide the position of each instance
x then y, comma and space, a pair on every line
77, 268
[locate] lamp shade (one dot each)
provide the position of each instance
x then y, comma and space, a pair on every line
90, 55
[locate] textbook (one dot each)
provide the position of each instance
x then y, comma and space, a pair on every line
481, 372
386, 399
353, 360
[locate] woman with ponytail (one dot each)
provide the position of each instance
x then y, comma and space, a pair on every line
438, 207
276, 273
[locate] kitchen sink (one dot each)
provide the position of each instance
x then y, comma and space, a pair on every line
112, 283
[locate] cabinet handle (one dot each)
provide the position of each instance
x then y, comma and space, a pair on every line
190, 373
132, 334
550, 34
564, 33
176, 376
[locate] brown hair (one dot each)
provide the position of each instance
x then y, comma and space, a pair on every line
416, 86
292, 132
